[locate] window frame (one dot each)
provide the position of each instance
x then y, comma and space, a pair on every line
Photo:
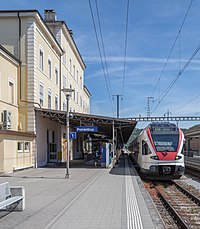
11, 91
70, 65
64, 81
49, 68
56, 75
26, 150
56, 102
41, 59
49, 96
41, 97
22, 148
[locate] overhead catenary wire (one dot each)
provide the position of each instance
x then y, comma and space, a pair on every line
102, 63
125, 50
103, 47
179, 74
185, 104
173, 45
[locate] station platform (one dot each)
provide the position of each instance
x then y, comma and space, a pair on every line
91, 198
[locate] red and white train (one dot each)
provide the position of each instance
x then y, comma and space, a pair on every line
158, 150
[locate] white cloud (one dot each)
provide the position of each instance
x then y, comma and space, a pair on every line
96, 59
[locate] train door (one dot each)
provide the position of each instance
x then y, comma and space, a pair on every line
145, 151
51, 146
139, 159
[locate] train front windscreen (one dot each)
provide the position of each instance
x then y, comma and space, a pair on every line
165, 143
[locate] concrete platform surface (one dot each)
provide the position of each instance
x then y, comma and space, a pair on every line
91, 198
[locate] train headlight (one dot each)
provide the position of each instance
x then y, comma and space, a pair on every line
154, 157
178, 157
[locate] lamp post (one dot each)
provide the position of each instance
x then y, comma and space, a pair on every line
67, 92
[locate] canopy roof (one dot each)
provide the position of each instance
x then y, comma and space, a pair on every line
105, 124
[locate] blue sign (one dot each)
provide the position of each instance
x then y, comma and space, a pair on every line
72, 135
86, 129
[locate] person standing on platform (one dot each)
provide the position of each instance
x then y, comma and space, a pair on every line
96, 158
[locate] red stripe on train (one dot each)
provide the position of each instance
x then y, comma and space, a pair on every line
150, 139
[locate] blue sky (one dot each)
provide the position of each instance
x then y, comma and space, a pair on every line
152, 28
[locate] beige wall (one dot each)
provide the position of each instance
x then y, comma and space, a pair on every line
10, 158
72, 68
73, 74
1, 155
10, 149
35, 36
42, 76
8, 73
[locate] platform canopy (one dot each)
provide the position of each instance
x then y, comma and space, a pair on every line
105, 124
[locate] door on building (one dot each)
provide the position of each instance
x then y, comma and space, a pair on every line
51, 146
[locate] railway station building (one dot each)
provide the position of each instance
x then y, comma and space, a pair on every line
44, 59
39, 58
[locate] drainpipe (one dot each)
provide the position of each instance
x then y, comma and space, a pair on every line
60, 63
19, 55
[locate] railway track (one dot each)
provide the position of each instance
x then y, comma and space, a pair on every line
178, 205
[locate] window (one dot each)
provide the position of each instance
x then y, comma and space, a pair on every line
23, 147
74, 71
74, 94
64, 106
49, 69
49, 99
11, 92
81, 81
77, 76
41, 60
41, 94
145, 149
26, 147
56, 76
56, 102
64, 82
70, 65
64, 58
20, 147
81, 102
165, 142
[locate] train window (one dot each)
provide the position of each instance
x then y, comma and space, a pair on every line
165, 143
145, 148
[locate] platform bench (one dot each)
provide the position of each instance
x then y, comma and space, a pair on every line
12, 198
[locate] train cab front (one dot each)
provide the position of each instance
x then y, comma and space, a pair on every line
166, 160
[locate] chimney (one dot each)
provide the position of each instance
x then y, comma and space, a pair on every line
50, 16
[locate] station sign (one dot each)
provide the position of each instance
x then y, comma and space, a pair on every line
72, 135
86, 129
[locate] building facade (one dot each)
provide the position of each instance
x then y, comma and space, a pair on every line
192, 136
48, 61
15, 146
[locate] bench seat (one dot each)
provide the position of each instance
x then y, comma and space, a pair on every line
12, 197
10, 201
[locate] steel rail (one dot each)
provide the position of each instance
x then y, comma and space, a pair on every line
178, 218
188, 193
